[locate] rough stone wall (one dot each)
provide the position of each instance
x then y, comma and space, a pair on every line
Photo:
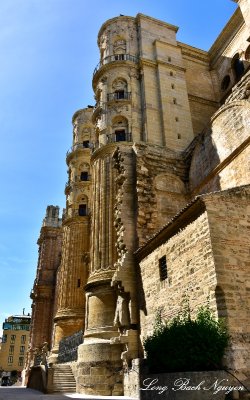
207, 260
229, 221
160, 186
191, 274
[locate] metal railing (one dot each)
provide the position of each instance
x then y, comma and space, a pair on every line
75, 213
68, 347
84, 145
113, 138
78, 179
114, 58
119, 95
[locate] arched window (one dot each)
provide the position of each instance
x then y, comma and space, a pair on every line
82, 210
82, 205
238, 66
120, 129
119, 90
84, 176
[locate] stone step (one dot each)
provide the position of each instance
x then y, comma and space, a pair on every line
63, 379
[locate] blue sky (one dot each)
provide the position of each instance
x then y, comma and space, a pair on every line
48, 53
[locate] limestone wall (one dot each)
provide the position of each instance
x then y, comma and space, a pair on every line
201, 86
207, 260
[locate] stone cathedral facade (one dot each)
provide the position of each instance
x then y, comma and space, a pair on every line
157, 202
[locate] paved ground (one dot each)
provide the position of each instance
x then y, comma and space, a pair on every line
21, 393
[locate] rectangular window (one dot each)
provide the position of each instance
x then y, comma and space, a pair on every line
120, 136
22, 349
11, 349
12, 339
84, 176
23, 339
85, 144
82, 210
10, 359
20, 362
4, 338
163, 268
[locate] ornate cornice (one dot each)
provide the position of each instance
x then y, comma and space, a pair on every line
111, 21
108, 149
157, 21
109, 66
154, 63
69, 313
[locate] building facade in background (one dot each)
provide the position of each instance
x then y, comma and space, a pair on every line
157, 203
15, 340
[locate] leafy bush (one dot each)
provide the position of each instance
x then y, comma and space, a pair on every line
187, 344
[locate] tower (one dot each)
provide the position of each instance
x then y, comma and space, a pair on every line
43, 292
73, 271
140, 90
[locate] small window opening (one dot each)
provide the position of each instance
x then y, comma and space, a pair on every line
174, 101
82, 210
172, 86
171, 73
86, 144
84, 176
238, 67
225, 83
120, 136
176, 119
169, 59
163, 268
78, 283
119, 94
179, 136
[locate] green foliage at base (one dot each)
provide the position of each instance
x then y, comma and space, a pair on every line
187, 344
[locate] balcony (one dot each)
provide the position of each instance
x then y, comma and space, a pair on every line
119, 95
100, 108
119, 136
86, 145
81, 212
114, 58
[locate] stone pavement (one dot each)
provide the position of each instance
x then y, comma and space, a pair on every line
22, 393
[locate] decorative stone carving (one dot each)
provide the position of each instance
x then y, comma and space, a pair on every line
122, 316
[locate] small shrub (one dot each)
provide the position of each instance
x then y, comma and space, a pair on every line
187, 344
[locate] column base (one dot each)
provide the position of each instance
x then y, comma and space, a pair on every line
99, 368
